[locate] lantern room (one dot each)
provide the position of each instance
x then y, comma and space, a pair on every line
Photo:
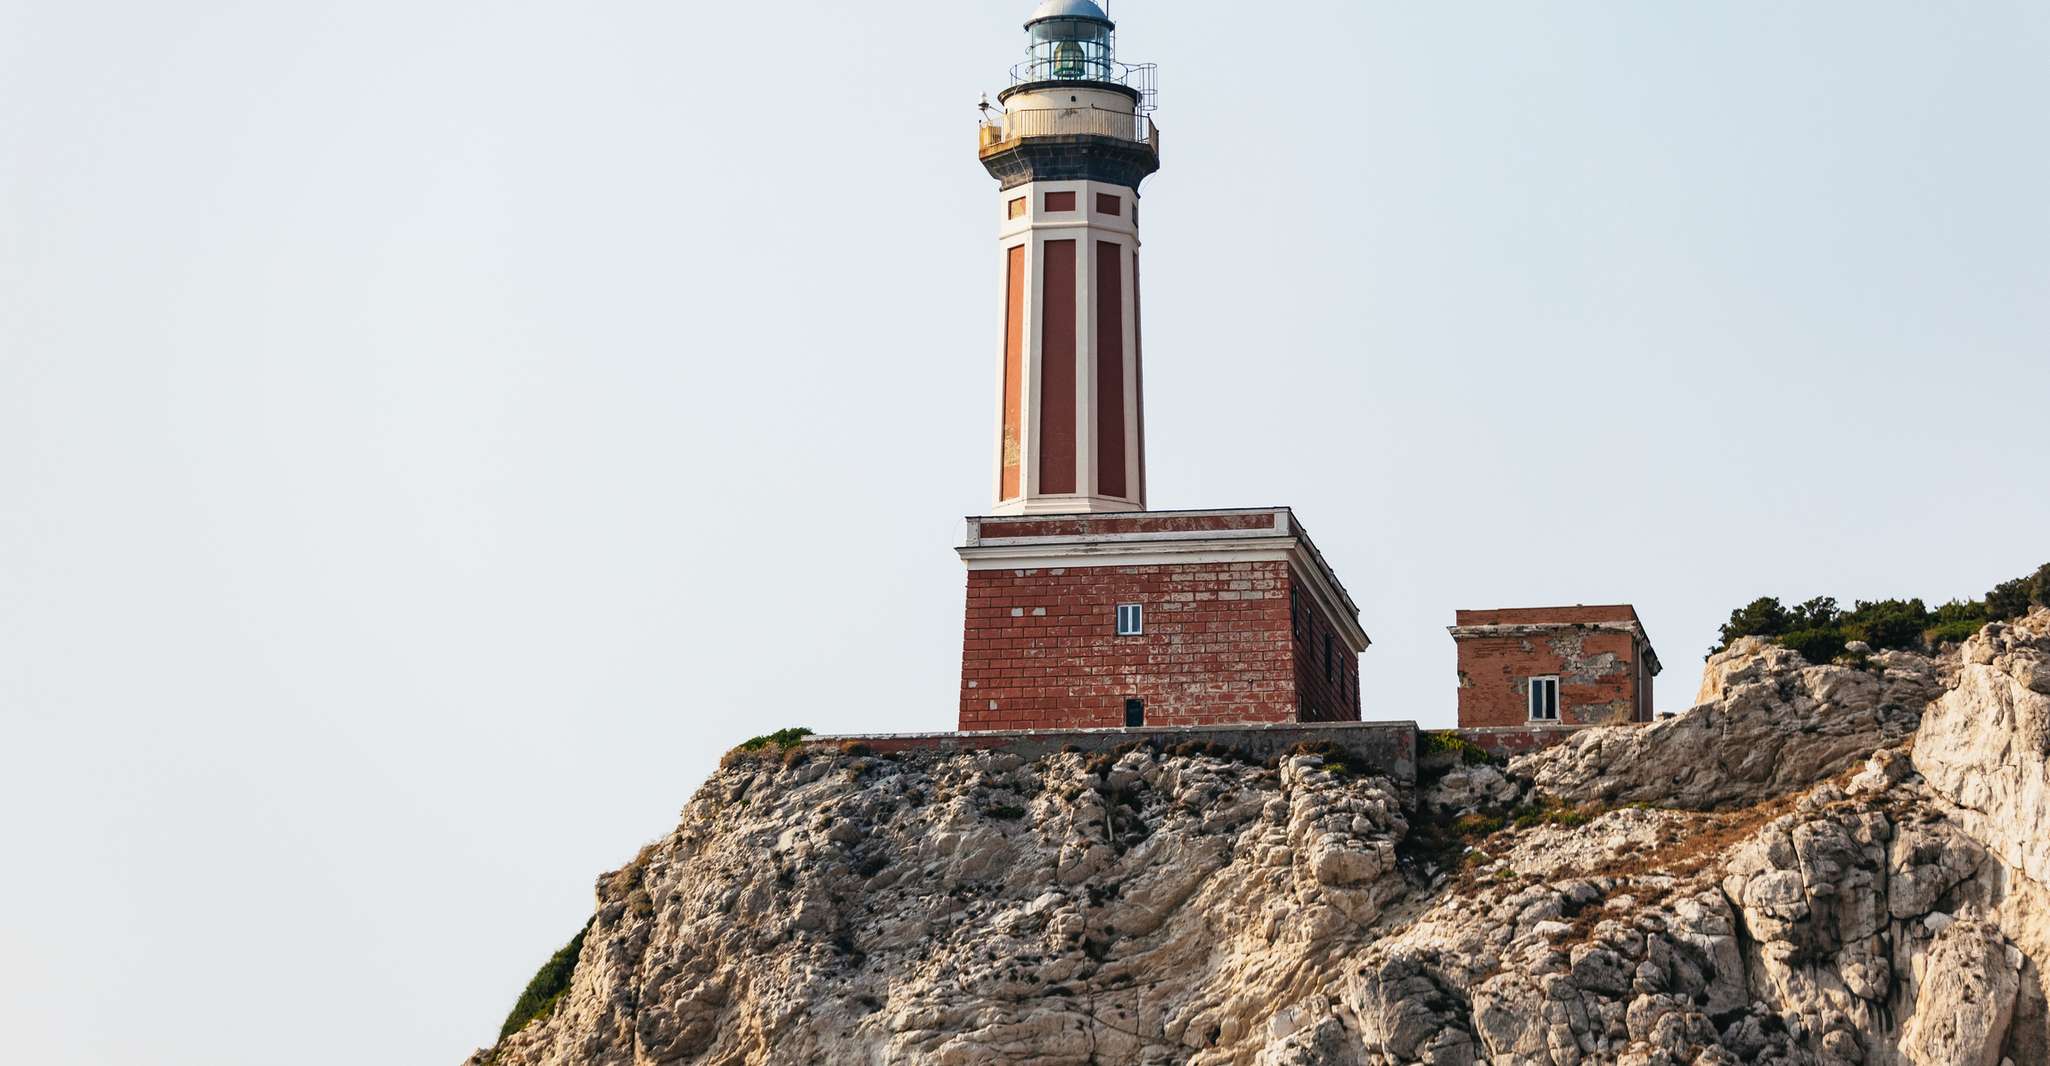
1068, 40
1071, 48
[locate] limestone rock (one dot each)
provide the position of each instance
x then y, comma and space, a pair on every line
1195, 909
1885, 769
1966, 999
1769, 723
1985, 745
1465, 788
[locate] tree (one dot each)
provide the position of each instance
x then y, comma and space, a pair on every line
1888, 623
1960, 611
1818, 613
1762, 617
2009, 599
1815, 645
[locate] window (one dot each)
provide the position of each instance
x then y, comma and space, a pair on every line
1544, 699
1295, 610
1017, 207
1135, 713
1106, 204
1060, 201
1327, 656
1131, 619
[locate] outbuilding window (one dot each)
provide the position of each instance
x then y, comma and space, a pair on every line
1544, 699
1131, 619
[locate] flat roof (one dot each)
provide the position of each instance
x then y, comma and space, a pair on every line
1125, 538
1560, 615
1579, 614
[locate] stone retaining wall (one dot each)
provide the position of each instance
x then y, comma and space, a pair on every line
1388, 748
1511, 741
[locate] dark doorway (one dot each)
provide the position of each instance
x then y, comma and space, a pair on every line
1135, 713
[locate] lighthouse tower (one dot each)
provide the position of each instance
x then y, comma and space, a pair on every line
1068, 149
1085, 609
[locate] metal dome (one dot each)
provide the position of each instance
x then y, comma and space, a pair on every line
1068, 9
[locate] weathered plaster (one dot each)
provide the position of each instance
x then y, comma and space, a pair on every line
1578, 667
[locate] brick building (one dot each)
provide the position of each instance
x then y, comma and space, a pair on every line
1544, 666
1154, 618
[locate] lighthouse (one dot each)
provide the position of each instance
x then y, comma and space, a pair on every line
1085, 608
1069, 147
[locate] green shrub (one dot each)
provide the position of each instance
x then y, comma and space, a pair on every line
548, 986
781, 739
2039, 586
1568, 817
1818, 613
1476, 825
1960, 611
2009, 599
1449, 742
785, 742
1888, 623
1956, 632
1813, 627
1549, 812
2012, 599
1762, 617
1815, 645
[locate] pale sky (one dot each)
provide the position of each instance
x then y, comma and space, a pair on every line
430, 432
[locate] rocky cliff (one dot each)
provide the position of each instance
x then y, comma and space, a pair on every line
1818, 864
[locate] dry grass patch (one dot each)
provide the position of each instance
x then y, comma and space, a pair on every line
1683, 855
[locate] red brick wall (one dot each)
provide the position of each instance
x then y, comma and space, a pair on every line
1110, 369
1516, 616
1143, 522
1040, 647
1326, 694
1057, 426
1509, 742
1597, 671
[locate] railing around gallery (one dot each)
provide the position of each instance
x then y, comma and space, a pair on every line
1088, 64
1069, 121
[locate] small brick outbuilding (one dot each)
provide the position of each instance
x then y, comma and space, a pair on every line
1546, 666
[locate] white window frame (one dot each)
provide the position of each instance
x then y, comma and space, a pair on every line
1552, 681
1131, 619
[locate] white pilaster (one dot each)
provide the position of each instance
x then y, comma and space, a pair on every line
1086, 227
